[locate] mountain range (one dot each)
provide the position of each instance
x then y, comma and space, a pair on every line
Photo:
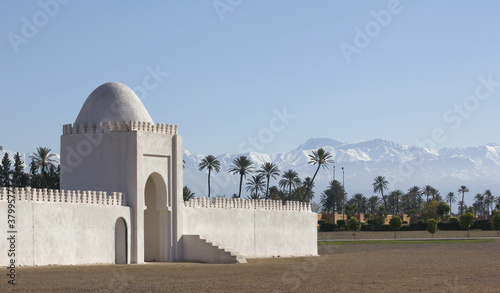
403, 166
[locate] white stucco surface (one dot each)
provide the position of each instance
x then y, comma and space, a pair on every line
122, 157
256, 233
198, 249
62, 233
112, 101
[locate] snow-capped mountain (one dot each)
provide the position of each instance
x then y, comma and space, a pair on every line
403, 166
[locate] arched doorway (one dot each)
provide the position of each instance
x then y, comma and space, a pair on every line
120, 241
156, 220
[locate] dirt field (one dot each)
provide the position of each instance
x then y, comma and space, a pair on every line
445, 267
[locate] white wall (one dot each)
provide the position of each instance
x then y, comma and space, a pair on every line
255, 233
62, 233
122, 160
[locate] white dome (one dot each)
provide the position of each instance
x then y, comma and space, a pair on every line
113, 101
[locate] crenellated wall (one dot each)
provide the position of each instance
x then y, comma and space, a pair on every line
239, 203
120, 126
254, 228
63, 227
63, 196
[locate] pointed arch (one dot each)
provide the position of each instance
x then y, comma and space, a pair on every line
156, 223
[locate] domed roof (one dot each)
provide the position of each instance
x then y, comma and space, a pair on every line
112, 101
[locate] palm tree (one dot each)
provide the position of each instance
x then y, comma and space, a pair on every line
275, 193
255, 184
187, 194
415, 198
479, 204
290, 179
373, 203
380, 185
243, 166
306, 182
43, 159
328, 201
360, 201
322, 158
210, 162
269, 170
489, 199
253, 196
463, 189
451, 198
428, 190
435, 194
394, 197
333, 197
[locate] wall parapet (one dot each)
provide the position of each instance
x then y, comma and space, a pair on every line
120, 126
63, 196
239, 203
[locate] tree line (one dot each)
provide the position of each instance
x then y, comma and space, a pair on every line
334, 198
411, 202
290, 186
44, 170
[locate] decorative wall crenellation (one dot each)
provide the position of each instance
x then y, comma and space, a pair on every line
238, 203
120, 126
63, 196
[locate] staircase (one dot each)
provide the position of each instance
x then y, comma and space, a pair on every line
198, 248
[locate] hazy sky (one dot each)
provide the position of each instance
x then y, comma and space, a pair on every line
239, 75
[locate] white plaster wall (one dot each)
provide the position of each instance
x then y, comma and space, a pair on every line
159, 153
256, 233
105, 162
63, 233
198, 250
100, 161
122, 161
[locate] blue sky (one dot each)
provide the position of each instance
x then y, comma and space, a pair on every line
258, 75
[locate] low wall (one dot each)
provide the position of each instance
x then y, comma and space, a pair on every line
254, 228
61, 227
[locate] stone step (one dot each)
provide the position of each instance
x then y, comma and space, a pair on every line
200, 248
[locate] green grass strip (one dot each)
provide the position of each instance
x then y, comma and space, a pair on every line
405, 241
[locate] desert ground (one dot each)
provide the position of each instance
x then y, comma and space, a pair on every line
402, 267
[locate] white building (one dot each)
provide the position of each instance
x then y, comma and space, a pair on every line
121, 201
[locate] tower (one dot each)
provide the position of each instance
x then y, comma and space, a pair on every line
115, 146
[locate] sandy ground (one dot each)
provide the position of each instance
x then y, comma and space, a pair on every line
450, 267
